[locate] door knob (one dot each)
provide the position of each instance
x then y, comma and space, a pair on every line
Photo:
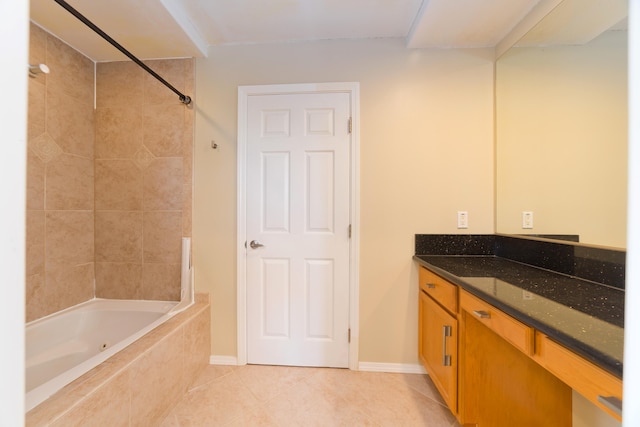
255, 244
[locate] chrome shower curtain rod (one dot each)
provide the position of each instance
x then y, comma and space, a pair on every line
183, 98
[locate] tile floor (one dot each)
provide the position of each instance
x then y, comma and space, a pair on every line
254, 395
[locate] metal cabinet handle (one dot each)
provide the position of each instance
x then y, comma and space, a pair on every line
611, 402
430, 286
482, 314
446, 358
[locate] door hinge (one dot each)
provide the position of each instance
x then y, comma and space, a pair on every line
350, 126
349, 230
349, 335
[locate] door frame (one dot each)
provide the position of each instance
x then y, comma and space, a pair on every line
244, 92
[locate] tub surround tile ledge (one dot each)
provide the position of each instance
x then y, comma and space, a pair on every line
573, 293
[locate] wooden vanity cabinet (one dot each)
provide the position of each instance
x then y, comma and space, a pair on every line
438, 334
500, 385
493, 370
594, 383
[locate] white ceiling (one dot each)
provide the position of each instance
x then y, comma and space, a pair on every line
185, 28
575, 22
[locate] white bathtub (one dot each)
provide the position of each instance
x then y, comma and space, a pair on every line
65, 345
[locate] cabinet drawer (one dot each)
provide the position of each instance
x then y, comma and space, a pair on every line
589, 380
515, 332
442, 291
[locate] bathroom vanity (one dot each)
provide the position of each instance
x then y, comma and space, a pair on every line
509, 326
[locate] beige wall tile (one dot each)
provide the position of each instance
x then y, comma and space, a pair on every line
119, 280
36, 297
69, 237
110, 405
118, 185
67, 284
162, 237
70, 123
70, 71
161, 281
187, 144
35, 242
173, 71
164, 129
35, 181
36, 108
197, 345
119, 236
119, 84
69, 254
187, 210
153, 396
69, 183
118, 132
37, 45
163, 184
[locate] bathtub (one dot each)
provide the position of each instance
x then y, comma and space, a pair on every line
65, 345
62, 346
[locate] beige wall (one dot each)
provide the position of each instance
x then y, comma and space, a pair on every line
60, 269
562, 140
426, 152
108, 192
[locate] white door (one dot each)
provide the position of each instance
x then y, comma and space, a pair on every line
297, 229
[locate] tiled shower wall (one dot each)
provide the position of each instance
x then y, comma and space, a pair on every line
109, 190
60, 171
143, 168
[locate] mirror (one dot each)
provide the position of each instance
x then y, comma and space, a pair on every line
561, 126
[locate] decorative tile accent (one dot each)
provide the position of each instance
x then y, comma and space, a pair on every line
46, 148
143, 158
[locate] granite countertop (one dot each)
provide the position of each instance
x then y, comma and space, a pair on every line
585, 316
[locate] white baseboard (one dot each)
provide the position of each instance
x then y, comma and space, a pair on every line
223, 360
398, 368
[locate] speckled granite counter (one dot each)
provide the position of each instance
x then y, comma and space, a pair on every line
584, 315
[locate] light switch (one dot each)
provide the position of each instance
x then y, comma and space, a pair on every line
527, 219
463, 219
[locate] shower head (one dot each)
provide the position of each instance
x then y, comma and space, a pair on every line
37, 69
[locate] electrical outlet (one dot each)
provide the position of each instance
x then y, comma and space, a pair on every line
463, 219
527, 219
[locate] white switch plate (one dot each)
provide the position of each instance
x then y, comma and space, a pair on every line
527, 219
463, 219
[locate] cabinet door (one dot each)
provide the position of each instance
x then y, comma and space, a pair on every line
438, 346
